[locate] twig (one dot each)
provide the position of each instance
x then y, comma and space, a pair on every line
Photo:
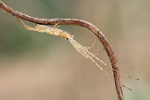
77, 22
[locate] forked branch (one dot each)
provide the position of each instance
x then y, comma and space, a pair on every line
77, 22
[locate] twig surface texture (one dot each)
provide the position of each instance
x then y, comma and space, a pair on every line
77, 22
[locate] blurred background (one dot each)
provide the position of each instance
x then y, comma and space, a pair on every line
35, 66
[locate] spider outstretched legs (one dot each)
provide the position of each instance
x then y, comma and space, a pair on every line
84, 51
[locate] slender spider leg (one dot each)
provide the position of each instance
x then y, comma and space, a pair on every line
99, 67
50, 30
126, 87
94, 56
105, 71
109, 66
27, 27
55, 28
92, 44
99, 52
84, 51
87, 54
56, 25
39, 28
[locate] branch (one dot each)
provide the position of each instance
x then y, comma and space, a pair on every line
77, 22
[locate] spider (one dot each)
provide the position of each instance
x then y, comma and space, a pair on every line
84, 51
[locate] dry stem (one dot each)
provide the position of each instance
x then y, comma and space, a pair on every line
77, 22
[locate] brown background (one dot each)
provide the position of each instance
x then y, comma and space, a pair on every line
35, 66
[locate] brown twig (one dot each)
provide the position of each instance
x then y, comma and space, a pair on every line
77, 22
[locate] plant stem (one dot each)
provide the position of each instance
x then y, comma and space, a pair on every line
77, 22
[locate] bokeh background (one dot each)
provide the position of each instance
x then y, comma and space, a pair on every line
35, 66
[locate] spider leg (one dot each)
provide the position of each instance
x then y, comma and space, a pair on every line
109, 66
87, 54
92, 44
99, 66
26, 26
105, 71
100, 52
56, 25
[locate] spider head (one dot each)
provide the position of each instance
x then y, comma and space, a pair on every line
70, 35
